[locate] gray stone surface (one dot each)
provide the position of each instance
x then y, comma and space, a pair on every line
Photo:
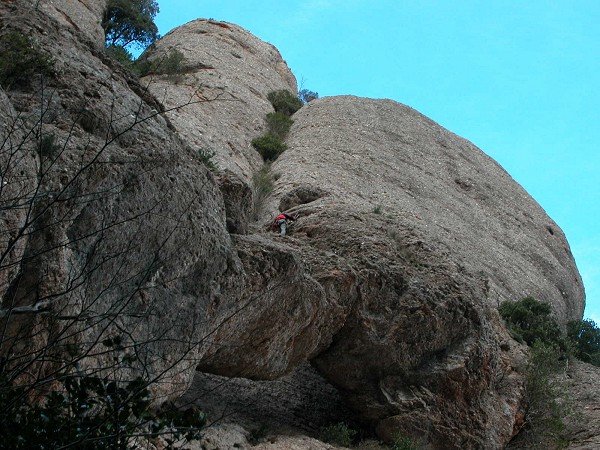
129, 232
407, 240
223, 61
583, 394
372, 154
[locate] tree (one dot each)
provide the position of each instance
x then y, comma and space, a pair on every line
128, 22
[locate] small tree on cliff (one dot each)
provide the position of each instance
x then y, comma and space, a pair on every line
128, 22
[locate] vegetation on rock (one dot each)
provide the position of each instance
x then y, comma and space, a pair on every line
284, 102
128, 22
20, 60
530, 321
338, 434
585, 335
89, 412
269, 146
307, 96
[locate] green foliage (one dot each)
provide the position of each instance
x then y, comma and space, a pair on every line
307, 96
404, 443
544, 425
171, 64
530, 320
127, 22
279, 124
20, 60
206, 157
378, 209
269, 146
120, 54
89, 412
284, 102
338, 434
585, 336
263, 183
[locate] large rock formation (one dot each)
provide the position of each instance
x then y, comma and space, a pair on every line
126, 233
380, 155
408, 236
225, 62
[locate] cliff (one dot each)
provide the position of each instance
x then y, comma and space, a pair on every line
384, 297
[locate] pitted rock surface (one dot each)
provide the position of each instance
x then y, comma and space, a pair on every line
381, 156
223, 61
129, 226
407, 240
584, 397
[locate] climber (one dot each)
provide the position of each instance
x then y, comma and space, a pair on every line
281, 223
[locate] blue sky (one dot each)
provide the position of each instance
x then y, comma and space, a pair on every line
519, 79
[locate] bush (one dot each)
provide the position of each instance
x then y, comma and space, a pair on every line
529, 320
338, 434
585, 336
206, 157
89, 412
171, 64
269, 146
306, 96
279, 124
404, 443
20, 60
544, 421
263, 183
120, 54
284, 102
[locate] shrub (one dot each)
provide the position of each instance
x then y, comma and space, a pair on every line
269, 146
544, 421
206, 158
529, 320
585, 336
120, 54
404, 443
338, 434
20, 60
89, 412
279, 124
284, 102
263, 183
171, 64
306, 96
127, 22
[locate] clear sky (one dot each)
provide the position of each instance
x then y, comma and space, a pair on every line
520, 79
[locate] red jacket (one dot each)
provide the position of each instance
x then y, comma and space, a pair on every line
283, 216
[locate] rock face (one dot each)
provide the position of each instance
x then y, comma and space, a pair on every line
408, 236
126, 233
226, 62
372, 155
582, 389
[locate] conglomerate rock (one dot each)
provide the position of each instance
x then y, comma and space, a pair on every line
408, 236
222, 61
127, 240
